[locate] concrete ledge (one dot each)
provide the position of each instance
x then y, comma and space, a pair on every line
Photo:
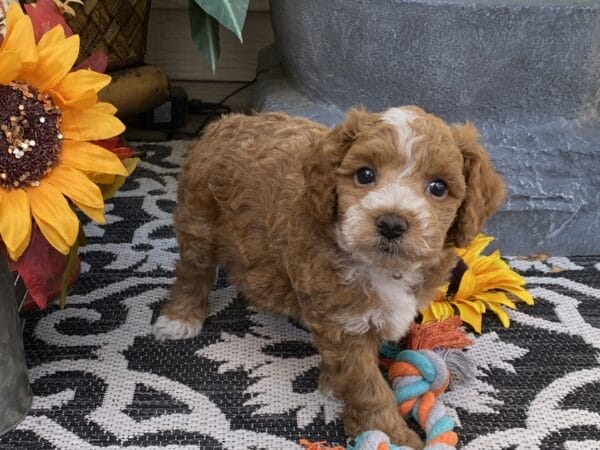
275, 92
458, 58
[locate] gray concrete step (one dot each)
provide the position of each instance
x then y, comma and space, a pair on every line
527, 72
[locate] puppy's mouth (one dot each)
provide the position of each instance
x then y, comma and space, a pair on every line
389, 247
392, 250
394, 257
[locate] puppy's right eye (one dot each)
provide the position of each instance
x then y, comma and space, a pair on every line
365, 175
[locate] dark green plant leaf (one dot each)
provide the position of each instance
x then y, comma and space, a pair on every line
109, 190
69, 269
205, 33
230, 13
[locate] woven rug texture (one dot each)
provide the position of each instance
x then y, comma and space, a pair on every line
249, 381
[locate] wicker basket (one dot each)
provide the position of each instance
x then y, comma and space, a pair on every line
115, 27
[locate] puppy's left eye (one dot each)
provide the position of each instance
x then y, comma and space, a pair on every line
365, 175
438, 188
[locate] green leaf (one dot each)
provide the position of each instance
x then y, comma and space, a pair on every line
109, 190
68, 273
230, 13
205, 33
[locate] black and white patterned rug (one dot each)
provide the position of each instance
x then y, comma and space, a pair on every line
249, 381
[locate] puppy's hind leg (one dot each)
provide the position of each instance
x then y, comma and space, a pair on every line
183, 315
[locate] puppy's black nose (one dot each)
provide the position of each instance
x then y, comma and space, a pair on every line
391, 227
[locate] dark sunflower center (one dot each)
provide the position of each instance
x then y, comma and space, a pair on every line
30, 139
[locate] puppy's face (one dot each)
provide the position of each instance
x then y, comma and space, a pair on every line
402, 185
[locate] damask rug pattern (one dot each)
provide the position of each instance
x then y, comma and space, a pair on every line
249, 381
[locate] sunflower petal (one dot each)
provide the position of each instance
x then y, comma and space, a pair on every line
495, 297
502, 283
82, 80
467, 286
91, 158
89, 125
51, 37
101, 178
53, 237
21, 40
18, 252
106, 108
15, 222
10, 65
78, 89
96, 214
428, 316
13, 15
436, 310
83, 101
478, 305
497, 309
57, 221
76, 186
495, 278
520, 293
55, 61
447, 310
485, 263
469, 315
475, 248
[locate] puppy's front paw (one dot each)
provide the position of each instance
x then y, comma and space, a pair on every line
376, 436
327, 391
388, 422
325, 386
410, 438
165, 328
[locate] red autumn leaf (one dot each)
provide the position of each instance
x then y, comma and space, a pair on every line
45, 16
97, 62
109, 143
41, 267
124, 152
117, 146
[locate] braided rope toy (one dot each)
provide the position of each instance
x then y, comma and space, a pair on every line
418, 377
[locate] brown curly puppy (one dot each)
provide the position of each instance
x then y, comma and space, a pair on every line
349, 230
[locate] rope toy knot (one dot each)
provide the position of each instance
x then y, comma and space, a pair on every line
374, 440
418, 378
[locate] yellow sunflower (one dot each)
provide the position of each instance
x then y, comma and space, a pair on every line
478, 283
48, 115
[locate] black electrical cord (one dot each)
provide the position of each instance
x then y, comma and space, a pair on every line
200, 107
216, 109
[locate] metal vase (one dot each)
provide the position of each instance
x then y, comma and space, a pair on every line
15, 392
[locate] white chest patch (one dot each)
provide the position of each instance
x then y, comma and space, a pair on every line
396, 311
398, 306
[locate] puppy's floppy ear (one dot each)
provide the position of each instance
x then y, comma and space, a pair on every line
319, 173
340, 139
485, 188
